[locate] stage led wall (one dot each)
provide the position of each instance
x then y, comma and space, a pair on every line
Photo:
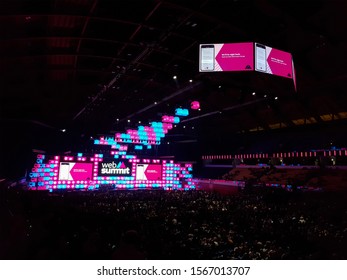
116, 168
57, 172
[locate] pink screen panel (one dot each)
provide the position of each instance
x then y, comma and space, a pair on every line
273, 61
148, 172
75, 171
226, 57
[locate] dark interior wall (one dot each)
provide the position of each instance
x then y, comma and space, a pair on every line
301, 138
19, 138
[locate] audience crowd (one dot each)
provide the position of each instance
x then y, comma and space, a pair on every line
255, 223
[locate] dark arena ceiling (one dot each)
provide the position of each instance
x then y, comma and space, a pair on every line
89, 66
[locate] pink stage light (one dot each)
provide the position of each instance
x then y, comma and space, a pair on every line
195, 105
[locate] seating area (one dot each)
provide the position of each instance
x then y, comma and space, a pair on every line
252, 224
240, 174
286, 176
328, 179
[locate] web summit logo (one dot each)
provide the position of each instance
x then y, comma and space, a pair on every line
112, 168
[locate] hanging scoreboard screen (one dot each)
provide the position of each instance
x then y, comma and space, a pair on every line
246, 57
273, 61
226, 57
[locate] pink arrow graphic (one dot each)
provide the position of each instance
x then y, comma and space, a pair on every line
81, 171
280, 63
236, 57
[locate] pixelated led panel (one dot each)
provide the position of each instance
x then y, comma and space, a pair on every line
145, 135
90, 173
117, 169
